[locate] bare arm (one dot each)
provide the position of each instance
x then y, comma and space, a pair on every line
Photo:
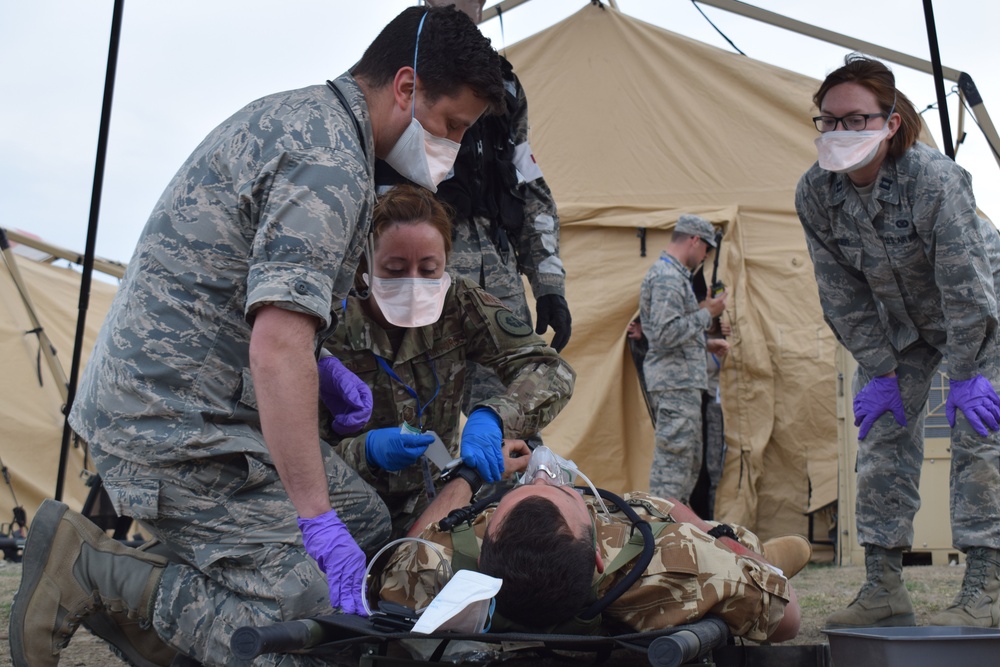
457, 493
287, 388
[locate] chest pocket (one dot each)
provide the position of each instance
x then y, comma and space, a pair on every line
903, 247
362, 364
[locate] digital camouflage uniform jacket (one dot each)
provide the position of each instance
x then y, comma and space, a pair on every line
431, 360
272, 208
690, 574
918, 262
474, 255
675, 327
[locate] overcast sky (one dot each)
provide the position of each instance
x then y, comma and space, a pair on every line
185, 65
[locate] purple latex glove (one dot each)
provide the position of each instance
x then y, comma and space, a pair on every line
879, 396
327, 540
347, 398
977, 400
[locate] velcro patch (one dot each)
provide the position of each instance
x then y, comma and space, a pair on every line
512, 324
488, 299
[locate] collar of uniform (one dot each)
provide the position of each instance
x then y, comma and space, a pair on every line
886, 185
670, 260
364, 333
359, 105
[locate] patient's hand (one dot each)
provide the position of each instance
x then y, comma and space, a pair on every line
515, 456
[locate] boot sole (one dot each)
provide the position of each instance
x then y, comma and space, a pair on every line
897, 621
40, 537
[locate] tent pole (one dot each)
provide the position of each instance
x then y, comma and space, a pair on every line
89, 252
108, 266
48, 350
963, 79
932, 42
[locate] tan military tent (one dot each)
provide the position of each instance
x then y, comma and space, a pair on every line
632, 126
31, 419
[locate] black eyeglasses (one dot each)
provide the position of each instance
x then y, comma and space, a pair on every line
855, 122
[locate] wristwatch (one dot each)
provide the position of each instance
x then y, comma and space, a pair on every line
459, 468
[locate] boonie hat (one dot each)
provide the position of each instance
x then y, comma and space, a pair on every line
696, 226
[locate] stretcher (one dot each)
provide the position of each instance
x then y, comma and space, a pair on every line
336, 634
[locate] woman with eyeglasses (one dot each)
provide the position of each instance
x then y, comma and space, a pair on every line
906, 271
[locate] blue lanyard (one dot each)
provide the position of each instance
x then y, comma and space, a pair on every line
420, 409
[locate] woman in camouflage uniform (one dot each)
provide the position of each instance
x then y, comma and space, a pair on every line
906, 272
412, 352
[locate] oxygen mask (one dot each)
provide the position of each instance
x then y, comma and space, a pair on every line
548, 467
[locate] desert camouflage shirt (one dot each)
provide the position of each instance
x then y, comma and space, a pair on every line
271, 208
915, 262
675, 327
431, 361
690, 574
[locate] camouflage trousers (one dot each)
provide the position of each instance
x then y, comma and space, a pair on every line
890, 457
231, 531
715, 445
678, 451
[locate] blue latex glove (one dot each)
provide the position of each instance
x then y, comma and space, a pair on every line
388, 449
482, 444
327, 540
879, 396
977, 400
347, 398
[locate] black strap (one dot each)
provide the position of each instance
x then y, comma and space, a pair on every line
723, 530
357, 125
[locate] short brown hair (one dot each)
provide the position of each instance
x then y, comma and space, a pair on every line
408, 205
876, 77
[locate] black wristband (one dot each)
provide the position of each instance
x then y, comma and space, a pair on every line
466, 472
723, 530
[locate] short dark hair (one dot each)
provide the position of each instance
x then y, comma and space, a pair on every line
453, 53
547, 572
681, 236
879, 79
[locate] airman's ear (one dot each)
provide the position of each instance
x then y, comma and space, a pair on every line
403, 86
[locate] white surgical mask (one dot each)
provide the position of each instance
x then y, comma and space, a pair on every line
842, 151
422, 157
410, 302
418, 155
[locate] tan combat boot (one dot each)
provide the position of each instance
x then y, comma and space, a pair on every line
883, 600
788, 553
71, 570
978, 602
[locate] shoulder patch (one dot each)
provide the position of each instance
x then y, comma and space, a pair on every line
512, 324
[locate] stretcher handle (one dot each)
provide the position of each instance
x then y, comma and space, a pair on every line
249, 642
689, 644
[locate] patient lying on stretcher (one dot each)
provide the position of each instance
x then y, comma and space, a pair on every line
557, 551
